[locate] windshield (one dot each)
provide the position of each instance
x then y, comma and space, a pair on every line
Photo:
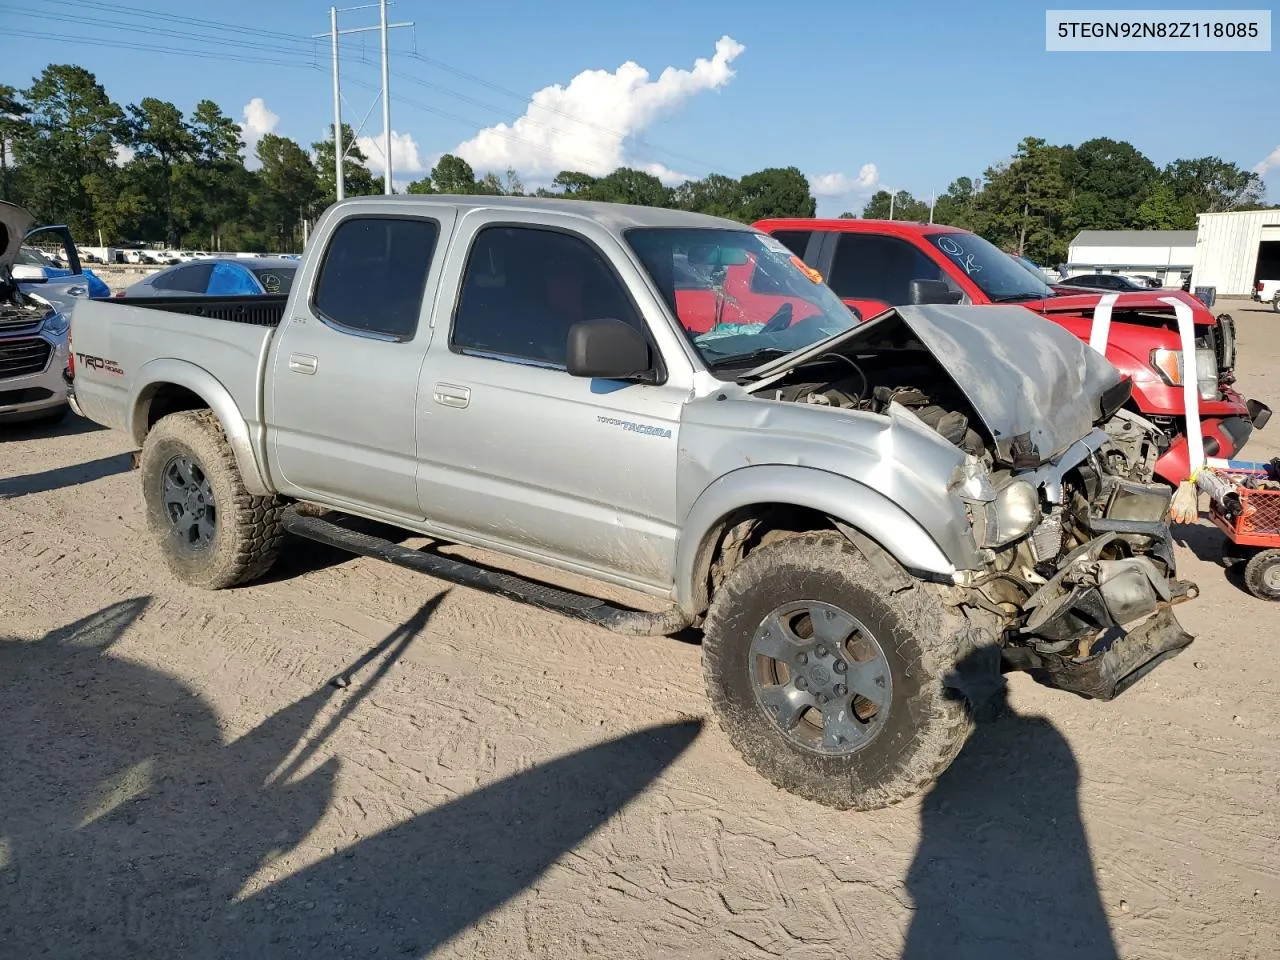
275, 279
741, 296
998, 275
32, 257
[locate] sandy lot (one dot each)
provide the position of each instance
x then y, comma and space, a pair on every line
179, 778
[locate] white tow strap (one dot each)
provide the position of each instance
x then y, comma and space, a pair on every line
1102, 323
1190, 383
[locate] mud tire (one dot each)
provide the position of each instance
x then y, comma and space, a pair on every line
922, 640
248, 532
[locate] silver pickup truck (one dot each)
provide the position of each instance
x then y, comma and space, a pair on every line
870, 522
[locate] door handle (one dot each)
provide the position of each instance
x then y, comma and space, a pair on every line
449, 395
302, 363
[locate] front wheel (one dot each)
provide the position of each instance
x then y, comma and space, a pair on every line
831, 682
213, 533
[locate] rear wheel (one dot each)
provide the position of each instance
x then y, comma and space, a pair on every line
831, 682
213, 533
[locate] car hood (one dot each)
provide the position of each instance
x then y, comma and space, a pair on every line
1154, 301
14, 224
1035, 386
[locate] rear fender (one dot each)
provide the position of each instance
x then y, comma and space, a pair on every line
848, 503
156, 374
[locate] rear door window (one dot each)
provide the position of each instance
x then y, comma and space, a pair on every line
374, 275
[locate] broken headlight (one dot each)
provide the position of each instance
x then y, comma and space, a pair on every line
1013, 513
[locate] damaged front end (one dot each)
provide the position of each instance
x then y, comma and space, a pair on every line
1086, 594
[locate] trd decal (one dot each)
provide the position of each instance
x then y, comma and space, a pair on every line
97, 363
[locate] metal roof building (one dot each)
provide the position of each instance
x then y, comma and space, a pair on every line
1236, 250
1166, 255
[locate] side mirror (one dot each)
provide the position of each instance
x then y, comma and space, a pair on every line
608, 350
932, 291
27, 273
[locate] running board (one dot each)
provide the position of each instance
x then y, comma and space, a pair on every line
635, 623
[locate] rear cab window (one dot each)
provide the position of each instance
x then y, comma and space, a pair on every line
374, 275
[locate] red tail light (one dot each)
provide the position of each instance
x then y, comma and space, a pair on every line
71, 358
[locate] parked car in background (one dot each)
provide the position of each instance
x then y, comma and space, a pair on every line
1110, 282
218, 277
1267, 291
877, 264
1048, 276
33, 333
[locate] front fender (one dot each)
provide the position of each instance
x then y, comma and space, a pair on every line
154, 375
839, 497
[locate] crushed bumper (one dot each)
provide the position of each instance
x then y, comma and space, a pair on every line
1105, 619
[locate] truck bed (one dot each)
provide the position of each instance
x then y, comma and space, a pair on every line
258, 310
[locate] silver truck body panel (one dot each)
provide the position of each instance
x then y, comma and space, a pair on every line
620, 481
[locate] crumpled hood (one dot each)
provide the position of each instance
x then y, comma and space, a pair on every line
1035, 386
14, 224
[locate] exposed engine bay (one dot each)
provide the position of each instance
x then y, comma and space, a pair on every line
1077, 548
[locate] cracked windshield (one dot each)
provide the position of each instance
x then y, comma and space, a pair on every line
742, 297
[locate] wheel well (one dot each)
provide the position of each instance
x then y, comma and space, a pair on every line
167, 398
744, 530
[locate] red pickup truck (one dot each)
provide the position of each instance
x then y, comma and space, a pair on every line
875, 264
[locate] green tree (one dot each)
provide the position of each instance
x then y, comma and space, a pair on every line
357, 179
627, 185
848, 215
162, 140
1211, 185
1107, 181
453, 175
421, 186
13, 124
776, 192
1022, 205
287, 190
213, 190
572, 183
71, 133
904, 207
955, 206
1160, 210
716, 195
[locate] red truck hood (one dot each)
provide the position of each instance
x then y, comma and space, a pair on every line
1083, 304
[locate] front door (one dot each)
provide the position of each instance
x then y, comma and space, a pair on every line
343, 378
516, 451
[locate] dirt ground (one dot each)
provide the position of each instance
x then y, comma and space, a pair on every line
179, 778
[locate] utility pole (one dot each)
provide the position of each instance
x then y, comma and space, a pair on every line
386, 102
933, 199
340, 153
893, 195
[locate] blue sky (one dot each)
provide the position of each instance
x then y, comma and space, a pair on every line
921, 91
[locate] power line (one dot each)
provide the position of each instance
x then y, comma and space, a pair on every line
153, 48
311, 52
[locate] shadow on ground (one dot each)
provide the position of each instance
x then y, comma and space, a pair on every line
128, 825
61, 477
1003, 870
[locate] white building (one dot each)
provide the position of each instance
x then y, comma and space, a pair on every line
1167, 255
1236, 250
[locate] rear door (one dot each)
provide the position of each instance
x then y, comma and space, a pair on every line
342, 383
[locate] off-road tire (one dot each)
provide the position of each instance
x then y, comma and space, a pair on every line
1256, 571
248, 534
923, 640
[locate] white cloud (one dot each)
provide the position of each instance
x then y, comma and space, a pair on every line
258, 122
123, 154
1270, 162
836, 185
404, 154
664, 173
608, 109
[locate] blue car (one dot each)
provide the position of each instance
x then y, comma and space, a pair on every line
219, 277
